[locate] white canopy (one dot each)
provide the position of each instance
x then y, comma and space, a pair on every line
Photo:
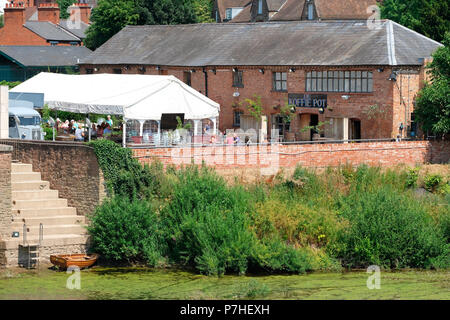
140, 97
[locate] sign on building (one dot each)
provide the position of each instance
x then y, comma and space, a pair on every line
308, 100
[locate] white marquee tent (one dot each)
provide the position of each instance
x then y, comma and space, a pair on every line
137, 97
141, 97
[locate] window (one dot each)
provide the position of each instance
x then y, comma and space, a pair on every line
54, 43
89, 71
117, 71
280, 125
187, 78
339, 81
310, 11
229, 14
260, 7
237, 78
30, 121
280, 81
12, 122
237, 118
217, 16
73, 43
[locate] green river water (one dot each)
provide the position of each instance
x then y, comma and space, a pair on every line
144, 283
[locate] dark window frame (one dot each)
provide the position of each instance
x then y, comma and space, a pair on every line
117, 71
360, 81
280, 81
238, 79
187, 77
235, 113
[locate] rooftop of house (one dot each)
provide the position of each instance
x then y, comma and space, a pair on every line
50, 31
43, 56
294, 43
290, 10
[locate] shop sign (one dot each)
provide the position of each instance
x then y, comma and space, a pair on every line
308, 100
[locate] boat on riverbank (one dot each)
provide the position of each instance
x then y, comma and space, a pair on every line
82, 260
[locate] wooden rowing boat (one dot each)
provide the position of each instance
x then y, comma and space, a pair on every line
82, 260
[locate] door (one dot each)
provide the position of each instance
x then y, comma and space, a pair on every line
313, 122
355, 129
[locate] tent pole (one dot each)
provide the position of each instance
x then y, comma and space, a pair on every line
89, 128
124, 130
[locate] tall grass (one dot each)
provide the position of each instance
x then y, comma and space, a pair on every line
351, 217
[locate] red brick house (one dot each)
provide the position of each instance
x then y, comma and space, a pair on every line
360, 79
292, 10
37, 22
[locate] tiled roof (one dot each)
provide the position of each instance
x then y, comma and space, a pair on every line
42, 56
78, 30
330, 43
224, 4
50, 31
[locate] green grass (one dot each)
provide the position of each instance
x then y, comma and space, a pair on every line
144, 283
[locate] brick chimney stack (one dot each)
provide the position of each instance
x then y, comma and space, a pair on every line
14, 15
80, 11
48, 12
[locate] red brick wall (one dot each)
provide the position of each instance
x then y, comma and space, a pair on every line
384, 154
385, 95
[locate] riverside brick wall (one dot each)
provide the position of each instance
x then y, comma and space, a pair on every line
5, 195
71, 168
272, 158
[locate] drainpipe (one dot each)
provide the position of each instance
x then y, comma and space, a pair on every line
206, 81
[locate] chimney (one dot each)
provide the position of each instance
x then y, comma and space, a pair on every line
48, 12
80, 11
14, 15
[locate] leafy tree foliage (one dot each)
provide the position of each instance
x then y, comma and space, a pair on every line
428, 17
111, 16
63, 5
433, 102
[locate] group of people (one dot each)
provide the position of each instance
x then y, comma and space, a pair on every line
79, 129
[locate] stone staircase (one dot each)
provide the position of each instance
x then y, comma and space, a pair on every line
33, 204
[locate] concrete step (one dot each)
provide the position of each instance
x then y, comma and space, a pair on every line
38, 204
30, 185
45, 212
25, 176
35, 195
49, 240
33, 231
21, 167
48, 221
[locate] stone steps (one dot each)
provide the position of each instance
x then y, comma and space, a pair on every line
33, 204
59, 229
49, 240
35, 194
45, 212
25, 176
30, 185
48, 221
38, 204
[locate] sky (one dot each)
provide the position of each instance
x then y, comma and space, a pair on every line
2, 5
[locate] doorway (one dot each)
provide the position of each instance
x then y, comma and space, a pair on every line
314, 121
355, 129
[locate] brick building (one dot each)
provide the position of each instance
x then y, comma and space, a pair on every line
357, 80
38, 23
292, 10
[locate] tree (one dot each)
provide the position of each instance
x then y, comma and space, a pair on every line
203, 11
1, 21
428, 17
433, 102
63, 5
110, 16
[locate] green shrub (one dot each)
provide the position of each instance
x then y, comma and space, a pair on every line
387, 229
411, 178
124, 230
432, 182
